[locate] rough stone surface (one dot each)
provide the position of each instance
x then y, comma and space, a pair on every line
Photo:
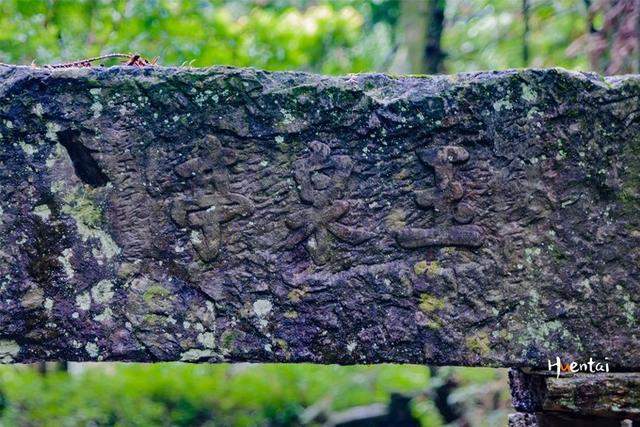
563, 420
233, 214
606, 395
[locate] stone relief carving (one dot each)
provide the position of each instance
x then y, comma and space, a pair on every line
446, 198
322, 179
213, 202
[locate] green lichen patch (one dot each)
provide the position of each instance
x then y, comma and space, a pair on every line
431, 268
430, 303
102, 292
155, 293
478, 343
434, 324
228, 339
82, 207
527, 93
420, 267
629, 193
80, 204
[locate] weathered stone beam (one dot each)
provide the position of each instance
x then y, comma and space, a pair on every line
233, 214
597, 394
603, 396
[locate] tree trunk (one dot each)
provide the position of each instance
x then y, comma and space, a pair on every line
433, 54
525, 33
615, 47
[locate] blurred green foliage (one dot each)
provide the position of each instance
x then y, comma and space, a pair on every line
322, 38
229, 395
488, 34
327, 36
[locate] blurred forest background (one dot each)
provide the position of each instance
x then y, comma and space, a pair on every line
331, 36
324, 36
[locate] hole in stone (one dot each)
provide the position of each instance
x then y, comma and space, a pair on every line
85, 166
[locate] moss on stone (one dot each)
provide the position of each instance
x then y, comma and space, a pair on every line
228, 338
478, 343
80, 205
154, 292
420, 267
430, 303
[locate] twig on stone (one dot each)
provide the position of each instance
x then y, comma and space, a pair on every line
134, 60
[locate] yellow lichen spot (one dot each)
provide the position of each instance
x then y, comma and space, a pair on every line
396, 219
297, 294
291, 314
81, 207
434, 324
505, 334
282, 344
430, 303
431, 268
127, 269
479, 343
420, 267
155, 292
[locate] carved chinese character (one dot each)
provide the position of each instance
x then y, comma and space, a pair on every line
322, 179
213, 203
446, 198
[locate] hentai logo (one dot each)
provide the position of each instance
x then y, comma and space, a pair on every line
591, 366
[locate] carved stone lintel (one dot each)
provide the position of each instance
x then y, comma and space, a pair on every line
489, 219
